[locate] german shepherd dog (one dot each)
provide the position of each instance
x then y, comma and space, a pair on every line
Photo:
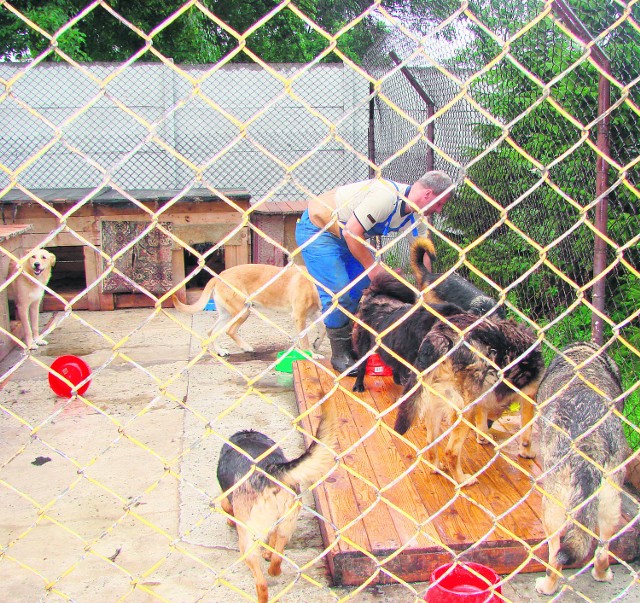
236, 289
464, 386
389, 303
27, 291
452, 288
582, 447
260, 495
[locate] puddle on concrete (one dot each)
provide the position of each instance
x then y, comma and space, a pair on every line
265, 354
273, 382
55, 351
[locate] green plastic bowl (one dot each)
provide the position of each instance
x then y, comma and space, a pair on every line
286, 358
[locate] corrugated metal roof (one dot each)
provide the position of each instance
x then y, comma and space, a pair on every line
280, 207
109, 195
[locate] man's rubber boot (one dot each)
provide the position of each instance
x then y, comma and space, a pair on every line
341, 355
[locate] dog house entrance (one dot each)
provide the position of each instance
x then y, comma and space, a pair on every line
214, 261
68, 275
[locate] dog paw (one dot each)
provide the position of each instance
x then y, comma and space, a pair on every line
40, 341
525, 452
266, 555
317, 356
275, 568
481, 439
606, 577
357, 388
544, 586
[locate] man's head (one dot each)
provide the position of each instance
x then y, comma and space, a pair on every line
431, 192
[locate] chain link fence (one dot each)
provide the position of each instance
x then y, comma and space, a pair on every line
531, 108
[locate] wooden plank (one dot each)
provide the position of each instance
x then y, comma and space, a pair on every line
387, 466
95, 298
64, 239
178, 273
374, 516
341, 486
12, 231
53, 304
492, 492
46, 223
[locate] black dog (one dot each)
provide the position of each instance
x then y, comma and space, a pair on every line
453, 289
388, 302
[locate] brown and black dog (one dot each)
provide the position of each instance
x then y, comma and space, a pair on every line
27, 291
461, 379
260, 495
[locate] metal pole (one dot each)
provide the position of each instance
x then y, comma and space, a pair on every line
429, 160
372, 132
598, 295
564, 12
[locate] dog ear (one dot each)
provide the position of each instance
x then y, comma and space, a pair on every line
52, 258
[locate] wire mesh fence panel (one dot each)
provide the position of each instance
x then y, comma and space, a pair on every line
177, 423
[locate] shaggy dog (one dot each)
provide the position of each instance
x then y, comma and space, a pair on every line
462, 382
27, 291
390, 304
260, 495
452, 288
236, 289
583, 447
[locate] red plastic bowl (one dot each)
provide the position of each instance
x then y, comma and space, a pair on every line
73, 369
456, 583
376, 366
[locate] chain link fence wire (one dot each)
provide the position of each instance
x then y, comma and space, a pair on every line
531, 108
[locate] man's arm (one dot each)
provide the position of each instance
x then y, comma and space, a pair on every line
354, 237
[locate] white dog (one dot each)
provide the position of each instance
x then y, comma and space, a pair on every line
27, 291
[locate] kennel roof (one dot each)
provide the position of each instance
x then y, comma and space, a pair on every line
112, 196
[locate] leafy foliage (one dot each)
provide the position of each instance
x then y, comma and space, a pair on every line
275, 33
192, 37
541, 173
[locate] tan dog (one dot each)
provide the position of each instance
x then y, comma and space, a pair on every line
260, 496
236, 289
27, 291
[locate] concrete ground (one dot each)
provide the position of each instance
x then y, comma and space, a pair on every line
114, 498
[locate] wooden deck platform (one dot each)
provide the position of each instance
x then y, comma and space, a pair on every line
391, 518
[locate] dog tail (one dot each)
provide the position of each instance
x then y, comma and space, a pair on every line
319, 457
420, 247
199, 305
575, 544
409, 410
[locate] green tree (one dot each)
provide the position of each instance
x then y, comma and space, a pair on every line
193, 37
541, 125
